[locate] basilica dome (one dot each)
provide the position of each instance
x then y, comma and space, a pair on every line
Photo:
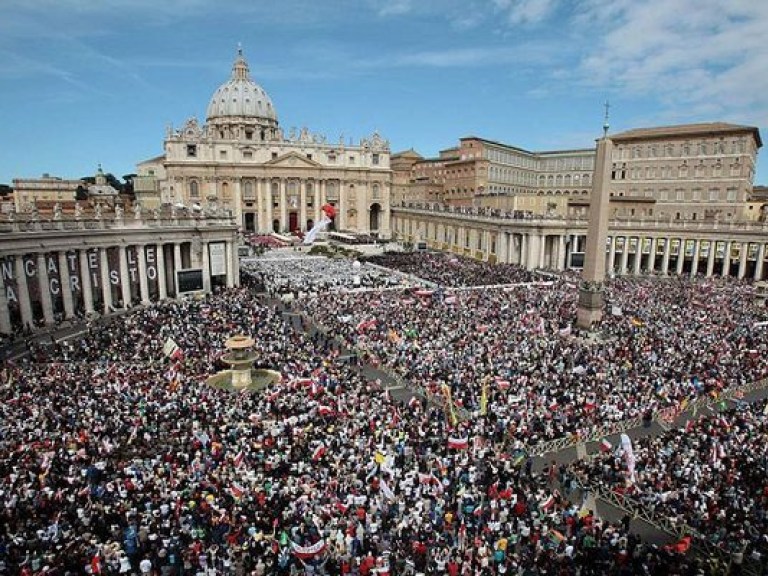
241, 97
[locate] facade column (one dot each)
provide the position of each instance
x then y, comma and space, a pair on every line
532, 260
725, 270
106, 287
638, 256
652, 257
66, 286
303, 205
5, 315
231, 255
342, 213
206, 266
711, 258
612, 256
759, 263
624, 257
162, 289
524, 250
260, 228
25, 305
501, 248
743, 252
143, 286
542, 250
44, 286
318, 201
270, 206
125, 283
176, 267
695, 263
85, 278
283, 205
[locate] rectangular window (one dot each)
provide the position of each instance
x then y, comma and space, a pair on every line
274, 155
331, 158
191, 150
247, 155
249, 134
309, 156
375, 159
223, 154
351, 159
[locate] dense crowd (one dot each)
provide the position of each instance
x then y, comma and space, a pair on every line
117, 459
517, 347
452, 270
709, 474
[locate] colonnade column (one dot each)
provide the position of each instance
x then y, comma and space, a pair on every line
665, 258
711, 258
523, 250
162, 289
624, 257
106, 288
25, 305
726, 259
759, 263
125, 284
501, 248
230, 255
561, 264
85, 278
743, 252
680, 256
44, 287
695, 262
66, 285
206, 266
612, 255
176, 267
5, 315
638, 257
143, 286
652, 256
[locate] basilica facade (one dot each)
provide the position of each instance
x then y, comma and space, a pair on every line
241, 159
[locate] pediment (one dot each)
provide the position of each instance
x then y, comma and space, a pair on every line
293, 160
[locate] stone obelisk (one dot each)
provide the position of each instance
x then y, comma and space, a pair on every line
591, 298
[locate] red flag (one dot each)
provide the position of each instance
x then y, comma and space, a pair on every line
307, 552
236, 490
238, 460
318, 453
458, 443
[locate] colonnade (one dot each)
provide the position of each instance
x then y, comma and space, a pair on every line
46, 284
738, 251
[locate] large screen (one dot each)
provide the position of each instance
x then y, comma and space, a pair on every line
190, 280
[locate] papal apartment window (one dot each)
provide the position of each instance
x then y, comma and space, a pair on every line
191, 150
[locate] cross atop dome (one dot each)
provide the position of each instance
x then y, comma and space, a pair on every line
240, 67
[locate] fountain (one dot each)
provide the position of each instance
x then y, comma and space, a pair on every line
241, 374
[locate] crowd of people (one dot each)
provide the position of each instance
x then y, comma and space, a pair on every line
516, 350
452, 270
117, 458
709, 475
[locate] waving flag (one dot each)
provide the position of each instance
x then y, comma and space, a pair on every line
329, 212
307, 552
458, 443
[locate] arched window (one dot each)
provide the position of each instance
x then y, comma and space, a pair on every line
225, 190
194, 189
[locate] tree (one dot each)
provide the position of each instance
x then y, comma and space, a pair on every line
81, 193
5, 189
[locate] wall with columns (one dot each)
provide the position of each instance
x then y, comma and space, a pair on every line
55, 270
642, 247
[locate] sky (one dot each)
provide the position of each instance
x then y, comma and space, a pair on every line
84, 82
